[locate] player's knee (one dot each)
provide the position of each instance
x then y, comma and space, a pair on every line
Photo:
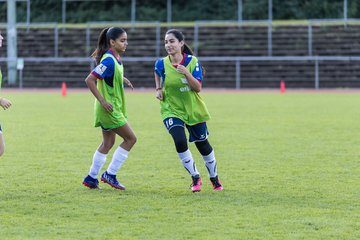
179, 137
181, 145
107, 145
204, 147
132, 140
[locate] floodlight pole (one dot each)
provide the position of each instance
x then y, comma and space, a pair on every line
270, 18
345, 10
169, 13
28, 12
240, 10
270, 10
133, 11
11, 41
63, 11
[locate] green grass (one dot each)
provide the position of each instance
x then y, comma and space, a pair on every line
289, 164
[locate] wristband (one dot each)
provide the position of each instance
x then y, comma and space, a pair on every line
159, 88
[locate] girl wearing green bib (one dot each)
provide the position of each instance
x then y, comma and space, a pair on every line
106, 82
178, 79
5, 104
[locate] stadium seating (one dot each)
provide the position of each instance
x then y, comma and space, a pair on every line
252, 40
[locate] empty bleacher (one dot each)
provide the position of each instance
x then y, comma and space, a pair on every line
223, 41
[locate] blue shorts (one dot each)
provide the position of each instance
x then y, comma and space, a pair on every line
197, 132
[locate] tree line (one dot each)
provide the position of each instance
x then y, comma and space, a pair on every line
182, 10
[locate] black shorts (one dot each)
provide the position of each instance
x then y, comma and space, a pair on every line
106, 129
197, 132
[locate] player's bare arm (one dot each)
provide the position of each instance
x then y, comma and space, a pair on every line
194, 84
127, 82
91, 83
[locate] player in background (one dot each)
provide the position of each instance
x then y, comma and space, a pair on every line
178, 79
106, 82
5, 104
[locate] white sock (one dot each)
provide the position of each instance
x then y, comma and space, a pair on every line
98, 161
210, 163
119, 157
188, 162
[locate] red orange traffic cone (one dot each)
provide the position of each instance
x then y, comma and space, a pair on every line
282, 86
63, 89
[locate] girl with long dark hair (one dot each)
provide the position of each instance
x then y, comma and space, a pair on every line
106, 82
178, 79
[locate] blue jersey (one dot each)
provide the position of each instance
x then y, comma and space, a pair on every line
105, 70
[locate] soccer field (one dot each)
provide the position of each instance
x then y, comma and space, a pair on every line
289, 164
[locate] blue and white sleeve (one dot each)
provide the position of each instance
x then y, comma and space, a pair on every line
197, 72
104, 69
159, 68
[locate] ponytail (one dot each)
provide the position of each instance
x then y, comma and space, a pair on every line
102, 46
103, 42
186, 49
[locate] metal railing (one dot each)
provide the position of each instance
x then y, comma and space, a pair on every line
197, 25
237, 61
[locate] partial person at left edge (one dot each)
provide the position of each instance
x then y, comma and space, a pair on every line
5, 104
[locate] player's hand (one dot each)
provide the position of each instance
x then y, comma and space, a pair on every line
159, 94
107, 106
4, 103
182, 69
127, 81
